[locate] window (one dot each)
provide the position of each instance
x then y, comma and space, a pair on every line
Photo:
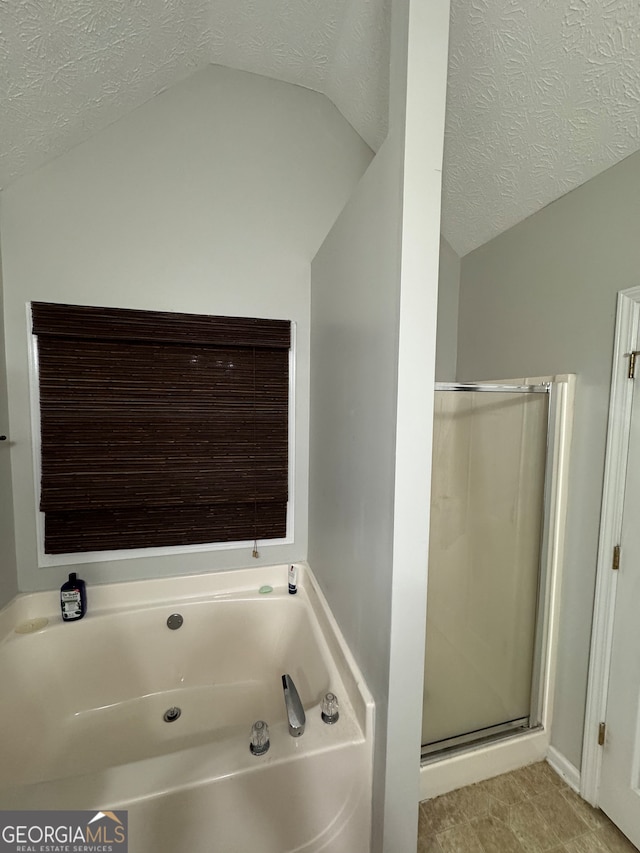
159, 428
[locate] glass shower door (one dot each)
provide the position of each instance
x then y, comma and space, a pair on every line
487, 511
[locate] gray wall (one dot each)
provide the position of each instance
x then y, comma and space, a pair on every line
541, 299
8, 571
211, 198
448, 305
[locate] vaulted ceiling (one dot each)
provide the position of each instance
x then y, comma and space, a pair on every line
543, 94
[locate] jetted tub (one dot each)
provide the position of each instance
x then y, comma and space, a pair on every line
83, 704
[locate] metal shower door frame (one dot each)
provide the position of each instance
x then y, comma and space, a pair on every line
542, 622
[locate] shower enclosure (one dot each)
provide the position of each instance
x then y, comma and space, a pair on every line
484, 636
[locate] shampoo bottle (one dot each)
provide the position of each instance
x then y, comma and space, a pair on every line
293, 580
73, 598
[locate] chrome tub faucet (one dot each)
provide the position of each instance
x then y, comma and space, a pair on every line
295, 712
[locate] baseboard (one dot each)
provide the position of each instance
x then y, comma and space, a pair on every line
480, 763
564, 768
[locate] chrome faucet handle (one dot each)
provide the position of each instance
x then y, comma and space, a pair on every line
295, 712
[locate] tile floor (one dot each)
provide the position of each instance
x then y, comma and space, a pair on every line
530, 810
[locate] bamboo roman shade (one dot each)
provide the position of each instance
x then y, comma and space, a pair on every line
159, 428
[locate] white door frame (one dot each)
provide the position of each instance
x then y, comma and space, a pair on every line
626, 337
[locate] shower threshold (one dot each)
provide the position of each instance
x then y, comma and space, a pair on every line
431, 752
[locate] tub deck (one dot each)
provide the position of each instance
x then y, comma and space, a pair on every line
86, 729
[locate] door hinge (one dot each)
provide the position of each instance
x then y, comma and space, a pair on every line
602, 731
615, 565
632, 364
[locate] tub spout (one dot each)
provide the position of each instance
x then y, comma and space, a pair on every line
295, 712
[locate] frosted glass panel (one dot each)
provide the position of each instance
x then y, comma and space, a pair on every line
486, 520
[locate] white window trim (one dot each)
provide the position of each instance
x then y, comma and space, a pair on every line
48, 560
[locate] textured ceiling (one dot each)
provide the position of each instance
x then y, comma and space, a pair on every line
338, 47
68, 68
543, 94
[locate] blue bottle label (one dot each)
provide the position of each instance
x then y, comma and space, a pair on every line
71, 603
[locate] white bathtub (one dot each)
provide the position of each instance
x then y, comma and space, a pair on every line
82, 708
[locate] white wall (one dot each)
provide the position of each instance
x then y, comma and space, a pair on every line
541, 299
373, 318
354, 361
8, 574
448, 298
212, 198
